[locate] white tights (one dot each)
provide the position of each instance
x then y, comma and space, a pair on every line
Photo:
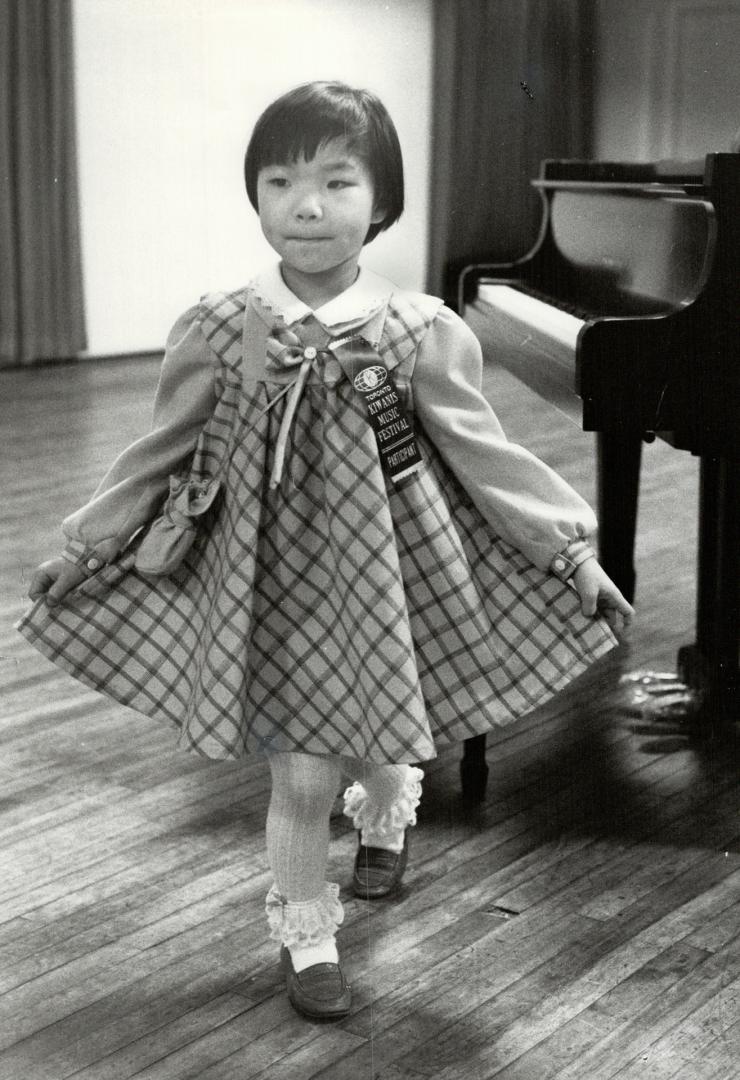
304, 787
302, 908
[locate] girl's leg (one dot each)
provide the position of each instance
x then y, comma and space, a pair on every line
382, 805
303, 910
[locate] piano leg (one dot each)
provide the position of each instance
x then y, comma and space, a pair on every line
711, 664
474, 770
618, 459
619, 456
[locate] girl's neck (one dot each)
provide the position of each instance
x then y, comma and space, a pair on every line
315, 290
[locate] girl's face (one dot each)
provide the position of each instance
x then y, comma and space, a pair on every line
316, 215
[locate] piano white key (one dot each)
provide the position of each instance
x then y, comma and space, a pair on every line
549, 320
533, 340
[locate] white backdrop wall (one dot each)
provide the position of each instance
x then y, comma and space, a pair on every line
167, 93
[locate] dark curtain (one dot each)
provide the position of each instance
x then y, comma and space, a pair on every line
511, 86
41, 303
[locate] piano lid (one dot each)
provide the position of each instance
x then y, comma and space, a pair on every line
627, 255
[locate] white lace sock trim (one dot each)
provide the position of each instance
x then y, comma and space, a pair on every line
308, 922
384, 826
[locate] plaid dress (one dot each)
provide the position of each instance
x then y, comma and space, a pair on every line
339, 613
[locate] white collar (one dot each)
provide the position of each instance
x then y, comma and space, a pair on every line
367, 295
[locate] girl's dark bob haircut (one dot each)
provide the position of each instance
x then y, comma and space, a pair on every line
305, 118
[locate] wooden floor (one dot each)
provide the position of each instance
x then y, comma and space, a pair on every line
582, 923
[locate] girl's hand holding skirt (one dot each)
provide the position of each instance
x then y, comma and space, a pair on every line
54, 579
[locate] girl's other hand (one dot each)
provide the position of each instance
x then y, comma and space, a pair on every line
54, 579
599, 593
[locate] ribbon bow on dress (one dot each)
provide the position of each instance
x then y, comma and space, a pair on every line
286, 350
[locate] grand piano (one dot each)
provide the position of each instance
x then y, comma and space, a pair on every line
626, 316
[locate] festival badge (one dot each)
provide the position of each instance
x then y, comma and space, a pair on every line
394, 432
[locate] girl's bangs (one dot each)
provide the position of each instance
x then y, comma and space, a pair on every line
289, 141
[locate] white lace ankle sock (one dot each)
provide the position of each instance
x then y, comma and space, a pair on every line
308, 928
384, 804
305, 956
389, 840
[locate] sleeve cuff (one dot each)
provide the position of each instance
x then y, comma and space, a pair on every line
566, 562
83, 557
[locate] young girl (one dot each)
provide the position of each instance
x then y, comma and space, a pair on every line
353, 566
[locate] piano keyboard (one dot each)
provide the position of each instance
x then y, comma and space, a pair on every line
551, 321
534, 340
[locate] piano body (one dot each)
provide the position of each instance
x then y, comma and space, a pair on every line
626, 315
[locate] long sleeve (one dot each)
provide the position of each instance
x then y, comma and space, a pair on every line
133, 487
522, 498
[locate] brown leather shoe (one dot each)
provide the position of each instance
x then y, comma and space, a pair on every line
378, 871
319, 992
